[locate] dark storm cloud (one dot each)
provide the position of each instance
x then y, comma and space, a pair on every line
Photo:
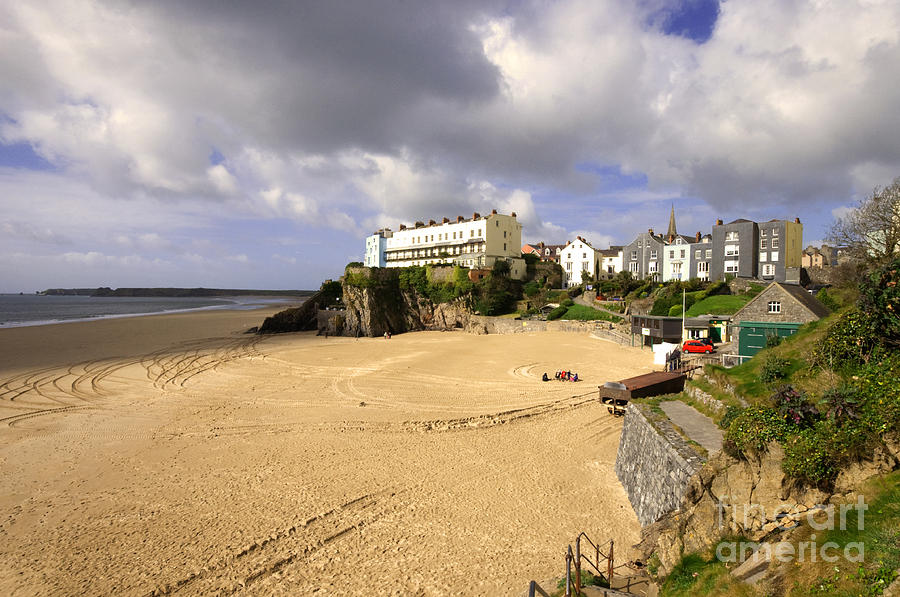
329, 75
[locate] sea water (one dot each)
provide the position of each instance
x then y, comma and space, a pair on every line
32, 309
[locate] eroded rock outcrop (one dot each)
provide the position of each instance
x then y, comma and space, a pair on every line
376, 304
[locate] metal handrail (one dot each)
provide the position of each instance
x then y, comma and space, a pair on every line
608, 575
535, 589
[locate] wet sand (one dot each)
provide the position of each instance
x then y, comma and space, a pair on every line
174, 453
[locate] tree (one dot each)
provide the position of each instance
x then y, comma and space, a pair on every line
586, 277
871, 230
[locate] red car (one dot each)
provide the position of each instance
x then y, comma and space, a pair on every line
696, 346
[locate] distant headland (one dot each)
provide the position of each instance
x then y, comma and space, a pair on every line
169, 292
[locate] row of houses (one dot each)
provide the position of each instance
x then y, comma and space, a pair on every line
769, 251
476, 243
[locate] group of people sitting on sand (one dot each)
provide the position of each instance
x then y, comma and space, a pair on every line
562, 376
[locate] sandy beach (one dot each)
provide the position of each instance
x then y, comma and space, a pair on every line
176, 454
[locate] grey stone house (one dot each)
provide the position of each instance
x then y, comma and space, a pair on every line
734, 249
779, 310
701, 258
768, 251
643, 257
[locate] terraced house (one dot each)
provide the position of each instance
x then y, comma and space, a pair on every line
475, 243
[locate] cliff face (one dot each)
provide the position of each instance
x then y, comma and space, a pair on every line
374, 310
752, 498
296, 319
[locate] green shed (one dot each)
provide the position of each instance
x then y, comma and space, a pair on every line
754, 334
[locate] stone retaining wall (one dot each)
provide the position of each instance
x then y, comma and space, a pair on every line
716, 405
654, 463
480, 324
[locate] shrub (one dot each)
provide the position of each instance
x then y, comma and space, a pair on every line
566, 302
557, 313
753, 429
532, 289
794, 408
849, 342
774, 368
841, 403
731, 413
773, 340
828, 299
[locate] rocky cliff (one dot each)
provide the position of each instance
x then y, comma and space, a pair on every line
375, 304
752, 498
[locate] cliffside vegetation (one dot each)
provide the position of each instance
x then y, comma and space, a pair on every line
830, 394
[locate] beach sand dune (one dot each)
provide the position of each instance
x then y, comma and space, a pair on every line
174, 454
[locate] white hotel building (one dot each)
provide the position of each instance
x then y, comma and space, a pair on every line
476, 244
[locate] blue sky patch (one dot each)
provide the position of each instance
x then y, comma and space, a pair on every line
22, 155
691, 19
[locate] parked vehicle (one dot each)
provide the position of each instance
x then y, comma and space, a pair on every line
696, 346
706, 341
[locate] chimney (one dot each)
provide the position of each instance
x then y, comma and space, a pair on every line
419, 224
431, 222
493, 212
476, 215
698, 237
718, 222
513, 214
445, 221
402, 226
542, 244
459, 219
796, 220
650, 230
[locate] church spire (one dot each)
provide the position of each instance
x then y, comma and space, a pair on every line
672, 233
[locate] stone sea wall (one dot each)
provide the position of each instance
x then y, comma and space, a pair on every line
654, 463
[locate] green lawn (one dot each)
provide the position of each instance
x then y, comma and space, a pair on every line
583, 313
720, 304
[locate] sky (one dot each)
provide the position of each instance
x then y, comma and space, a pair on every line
256, 144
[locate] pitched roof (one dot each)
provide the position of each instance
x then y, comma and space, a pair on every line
798, 293
740, 221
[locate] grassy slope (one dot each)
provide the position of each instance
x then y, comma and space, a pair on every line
583, 313
796, 349
720, 304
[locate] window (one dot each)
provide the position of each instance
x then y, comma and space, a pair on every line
633, 267
504, 246
774, 243
763, 256
497, 222
762, 233
568, 266
774, 255
732, 236
774, 231
671, 254
652, 254
504, 233
774, 307
703, 266
633, 255
546, 251
768, 270
472, 233
732, 250
653, 267
708, 253
764, 244
682, 253
731, 267
584, 255
697, 254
